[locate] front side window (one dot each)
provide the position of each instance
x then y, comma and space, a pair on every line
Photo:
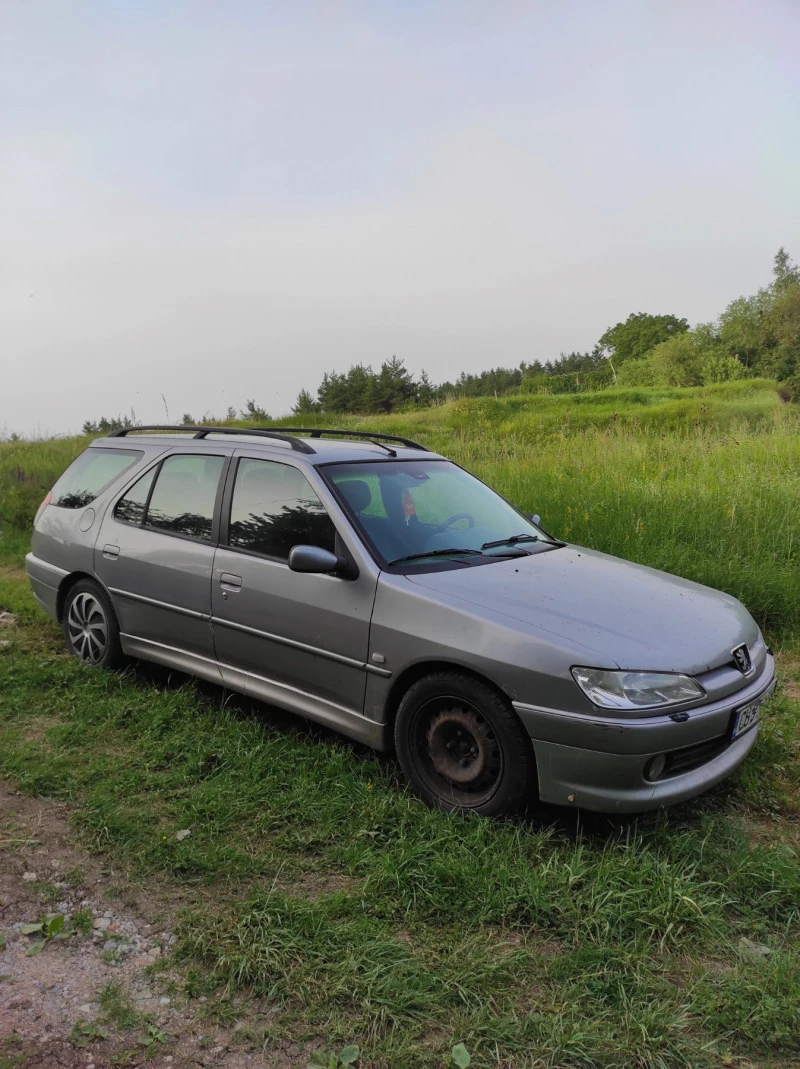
418, 508
182, 501
275, 508
88, 476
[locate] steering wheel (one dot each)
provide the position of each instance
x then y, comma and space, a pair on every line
454, 519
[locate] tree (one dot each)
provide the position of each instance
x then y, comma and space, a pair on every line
639, 334
305, 404
743, 327
255, 414
340, 392
676, 362
785, 273
105, 425
782, 322
762, 330
426, 391
391, 387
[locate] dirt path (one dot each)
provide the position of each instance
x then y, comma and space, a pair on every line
103, 996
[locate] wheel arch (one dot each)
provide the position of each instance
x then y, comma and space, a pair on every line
67, 583
414, 672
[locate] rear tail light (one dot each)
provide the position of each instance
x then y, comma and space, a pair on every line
43, 506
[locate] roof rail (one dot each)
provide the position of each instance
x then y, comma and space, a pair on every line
201, 432
283, 434
317, 432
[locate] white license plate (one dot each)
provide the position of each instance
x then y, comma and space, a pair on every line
746, 718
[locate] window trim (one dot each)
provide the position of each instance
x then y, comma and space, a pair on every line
213, 540
227, 508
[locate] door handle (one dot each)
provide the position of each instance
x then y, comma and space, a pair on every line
111, 552
230, 581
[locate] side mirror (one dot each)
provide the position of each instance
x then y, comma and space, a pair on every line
313, 559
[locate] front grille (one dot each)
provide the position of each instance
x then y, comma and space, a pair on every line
692, 757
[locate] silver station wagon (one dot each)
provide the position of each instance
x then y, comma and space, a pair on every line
376, 587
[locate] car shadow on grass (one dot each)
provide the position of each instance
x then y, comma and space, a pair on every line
563, 821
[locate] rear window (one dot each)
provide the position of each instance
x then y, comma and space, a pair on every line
90, 474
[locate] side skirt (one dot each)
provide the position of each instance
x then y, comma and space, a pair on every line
346, 721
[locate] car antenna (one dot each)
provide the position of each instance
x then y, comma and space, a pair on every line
389, 450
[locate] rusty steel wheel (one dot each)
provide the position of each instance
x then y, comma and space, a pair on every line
462, 747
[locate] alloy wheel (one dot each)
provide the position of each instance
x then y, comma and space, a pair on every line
88, 627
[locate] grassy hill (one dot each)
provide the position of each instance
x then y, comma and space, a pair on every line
337, 909
700, 481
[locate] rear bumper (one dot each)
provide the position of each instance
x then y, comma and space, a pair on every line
45, 580
598, 762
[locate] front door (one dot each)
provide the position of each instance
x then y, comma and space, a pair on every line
300, 640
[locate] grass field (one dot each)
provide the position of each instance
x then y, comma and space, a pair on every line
316, 883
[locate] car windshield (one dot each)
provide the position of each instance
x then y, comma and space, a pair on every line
424, 509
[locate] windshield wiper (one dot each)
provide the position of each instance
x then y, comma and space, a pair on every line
512, 541
436, 553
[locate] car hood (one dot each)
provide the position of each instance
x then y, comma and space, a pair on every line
628, 615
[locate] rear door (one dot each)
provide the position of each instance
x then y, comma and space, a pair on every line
282, 635
155, 554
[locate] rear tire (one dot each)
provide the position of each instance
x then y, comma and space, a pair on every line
90, 626
462, 747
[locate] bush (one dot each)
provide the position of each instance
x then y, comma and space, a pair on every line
684, 360
677, 362
637, 373
20, 497
719, 368
790, 389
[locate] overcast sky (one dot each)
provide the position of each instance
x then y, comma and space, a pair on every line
218, 201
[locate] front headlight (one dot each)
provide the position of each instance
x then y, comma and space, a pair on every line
635, 690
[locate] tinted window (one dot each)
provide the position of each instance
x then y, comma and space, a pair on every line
130, 508
274, 508
183, 497
90, 474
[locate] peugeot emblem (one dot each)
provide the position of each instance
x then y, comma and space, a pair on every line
741, 658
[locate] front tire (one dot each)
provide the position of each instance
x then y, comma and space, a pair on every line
462, 747
90, 625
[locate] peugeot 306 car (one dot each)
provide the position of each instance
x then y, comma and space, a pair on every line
364, 582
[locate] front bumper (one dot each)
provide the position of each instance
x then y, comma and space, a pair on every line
597, 762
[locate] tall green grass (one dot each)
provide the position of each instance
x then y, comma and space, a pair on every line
703, 482
318, 885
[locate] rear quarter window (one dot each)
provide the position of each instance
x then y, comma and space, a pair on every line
88, 476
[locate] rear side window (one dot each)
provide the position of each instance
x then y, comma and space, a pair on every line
275, 508
93, 471
182, 501
130, 509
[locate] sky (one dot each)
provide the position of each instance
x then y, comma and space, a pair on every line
202, 203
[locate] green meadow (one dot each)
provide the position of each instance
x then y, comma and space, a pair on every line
339, 910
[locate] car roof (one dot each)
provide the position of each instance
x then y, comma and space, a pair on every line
313, 451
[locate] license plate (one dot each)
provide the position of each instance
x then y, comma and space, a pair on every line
746, 718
